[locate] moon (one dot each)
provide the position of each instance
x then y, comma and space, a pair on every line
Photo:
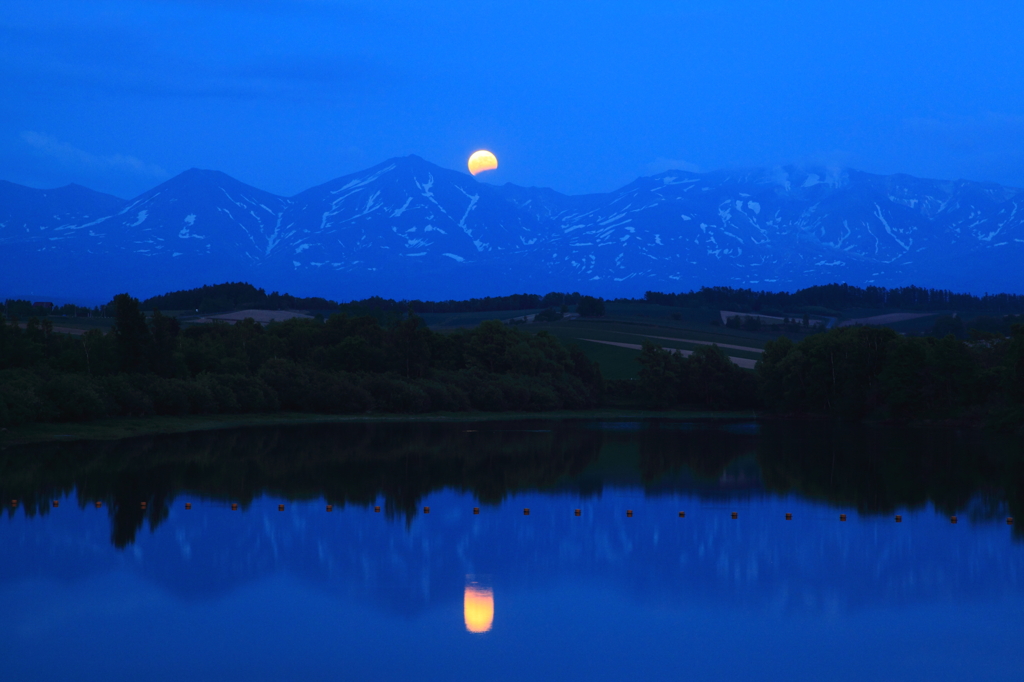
481, 161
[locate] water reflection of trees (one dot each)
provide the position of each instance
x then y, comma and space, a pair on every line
872, 470
877, 470
344, 464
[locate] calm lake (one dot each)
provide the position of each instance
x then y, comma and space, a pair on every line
681, 564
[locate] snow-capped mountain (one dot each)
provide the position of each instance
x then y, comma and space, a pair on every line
787, 228
409, 229
406, 227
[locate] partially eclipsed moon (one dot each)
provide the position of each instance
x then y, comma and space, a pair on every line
482, 161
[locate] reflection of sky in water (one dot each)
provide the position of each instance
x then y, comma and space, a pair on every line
305, 594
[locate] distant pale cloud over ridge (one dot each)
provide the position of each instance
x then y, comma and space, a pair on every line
69, 155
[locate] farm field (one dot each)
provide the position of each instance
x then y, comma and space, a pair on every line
630, 323
76, 325
620, 363
440, 321
633, 323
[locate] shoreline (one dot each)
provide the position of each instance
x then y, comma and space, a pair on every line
131, 427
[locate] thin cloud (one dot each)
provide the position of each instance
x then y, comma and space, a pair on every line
133, 54
660, 165
69, 155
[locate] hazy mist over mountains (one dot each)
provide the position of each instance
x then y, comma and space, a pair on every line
407, 228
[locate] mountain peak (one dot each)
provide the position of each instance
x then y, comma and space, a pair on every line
203, 181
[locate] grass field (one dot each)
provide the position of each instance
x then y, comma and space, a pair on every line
438, 321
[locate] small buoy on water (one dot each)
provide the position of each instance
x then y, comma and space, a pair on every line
56, 503
682, 515
330, 507
476, 510
735, 515
899, 519
952, 519
280, 507
789, 517
188, 505
842, 517
426, 510
629, 513
142, 505
577, 512
98, 504
377, 510
526, 511
234, 506
14, 504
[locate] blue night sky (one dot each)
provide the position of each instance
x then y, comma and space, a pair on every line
578, 96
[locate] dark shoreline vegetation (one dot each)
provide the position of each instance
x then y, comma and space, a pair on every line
850, 467
371, 358
827, 299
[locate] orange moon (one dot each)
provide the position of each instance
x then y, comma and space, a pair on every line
482, 161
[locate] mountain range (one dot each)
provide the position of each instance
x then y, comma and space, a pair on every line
407, 228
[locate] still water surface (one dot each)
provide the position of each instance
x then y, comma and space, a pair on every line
256, 593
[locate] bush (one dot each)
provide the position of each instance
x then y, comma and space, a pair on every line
716, 383
73, 397
224, 399
200, 398
169, 396
252, 394
335, 393
290, 382
309, 389
445, 398
752, 323
707, 378
487, 396
544, 398
20, 395
548, 315
123, 398
392, 394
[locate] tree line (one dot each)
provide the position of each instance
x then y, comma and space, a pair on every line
241, 296
824, 299
349, 364
853, 373
229, 296
344, 364
870, 372
837, 297
17, 308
